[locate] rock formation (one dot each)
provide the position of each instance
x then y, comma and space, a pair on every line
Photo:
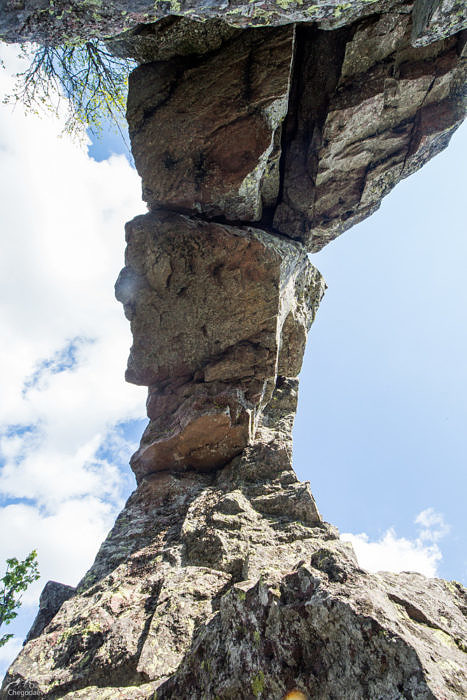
254, 145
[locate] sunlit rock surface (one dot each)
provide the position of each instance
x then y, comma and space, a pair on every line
230, 585
219, 579
218, 314
366, 110
205, 135
310, 130
46, 22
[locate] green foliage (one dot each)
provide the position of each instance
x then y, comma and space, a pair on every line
257, 684
94, 82
18, 576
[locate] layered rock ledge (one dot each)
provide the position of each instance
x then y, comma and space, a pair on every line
220, 579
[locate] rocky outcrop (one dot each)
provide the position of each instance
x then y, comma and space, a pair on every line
229, 108
328, 630
52, 598
180, 543
366, 111
220, 578
310, 130
218, 314
204, 589
229, 585
53, 22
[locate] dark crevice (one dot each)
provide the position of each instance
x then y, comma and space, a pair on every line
183, 471
264, 224
290, 122
149, 608
413, 612
316, 71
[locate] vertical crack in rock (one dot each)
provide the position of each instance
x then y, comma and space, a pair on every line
317, 68
219, 579
368, 109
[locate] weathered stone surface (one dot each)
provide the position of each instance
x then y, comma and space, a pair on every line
364, 637
178, 545
202, 296
220, 579
203, 590
366, 110
205, 135
433, 20
217, 314
52, 23
229, 585
171, 37
209, 424
52, 598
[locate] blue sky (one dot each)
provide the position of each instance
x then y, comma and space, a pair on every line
381, 426
380, 431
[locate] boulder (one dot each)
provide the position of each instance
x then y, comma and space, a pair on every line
205, 132
218, 313
52, 598
366, 110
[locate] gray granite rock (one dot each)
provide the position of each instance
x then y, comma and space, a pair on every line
170, 38
205, 133
229, 585
54, 22
219, 579
203, 590
217, 314
52, 598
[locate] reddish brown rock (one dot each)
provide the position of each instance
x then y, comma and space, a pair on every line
217, 314
208, 425
366, 110
219, 578
205, 132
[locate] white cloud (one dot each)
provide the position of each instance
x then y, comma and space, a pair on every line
434, 525
393, 553
66, 538
64, 344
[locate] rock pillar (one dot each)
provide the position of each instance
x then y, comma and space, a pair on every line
220, 579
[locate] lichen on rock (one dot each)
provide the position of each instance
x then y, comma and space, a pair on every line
220, 579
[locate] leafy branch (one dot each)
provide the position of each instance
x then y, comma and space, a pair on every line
18, 576
93, 81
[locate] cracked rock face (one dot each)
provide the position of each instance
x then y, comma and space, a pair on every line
218, 314
304, 132
366, 110
219, 579
327, 633
229, 585
210, 298
205, 133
